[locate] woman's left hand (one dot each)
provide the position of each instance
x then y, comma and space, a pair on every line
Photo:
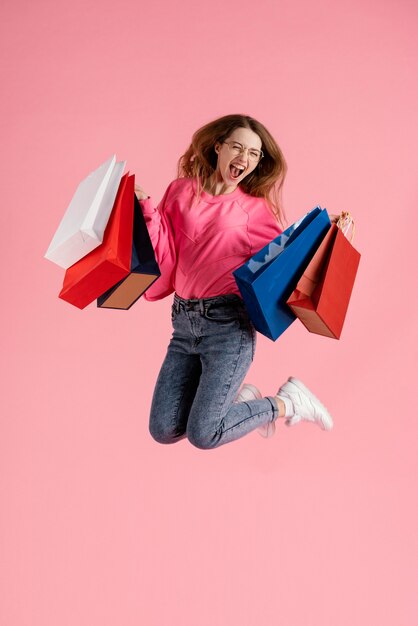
334, 218
140, 193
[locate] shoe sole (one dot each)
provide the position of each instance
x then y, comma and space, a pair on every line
265, 431
326, 422
254, 391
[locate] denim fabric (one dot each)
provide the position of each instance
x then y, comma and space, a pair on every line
210, 352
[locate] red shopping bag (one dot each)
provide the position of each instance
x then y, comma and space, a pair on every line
323, 293
144, 269
110, 262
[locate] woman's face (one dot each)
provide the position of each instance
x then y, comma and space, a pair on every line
232, 167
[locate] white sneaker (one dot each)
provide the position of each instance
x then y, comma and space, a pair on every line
306, 405
250, 392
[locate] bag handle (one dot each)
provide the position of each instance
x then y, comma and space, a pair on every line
344, 223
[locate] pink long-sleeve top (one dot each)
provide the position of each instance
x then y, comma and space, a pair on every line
199, 246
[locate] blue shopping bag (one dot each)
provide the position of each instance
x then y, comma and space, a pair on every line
269, 277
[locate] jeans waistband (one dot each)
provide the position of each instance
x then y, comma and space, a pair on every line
202, 304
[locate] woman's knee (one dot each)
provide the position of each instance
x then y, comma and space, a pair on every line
163, 433
202, 440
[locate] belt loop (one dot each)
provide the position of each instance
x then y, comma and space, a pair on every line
202, 307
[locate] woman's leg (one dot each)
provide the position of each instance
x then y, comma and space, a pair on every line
211, 350
176, 385
173, 395
226, 349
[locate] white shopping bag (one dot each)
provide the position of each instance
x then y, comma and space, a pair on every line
84, 222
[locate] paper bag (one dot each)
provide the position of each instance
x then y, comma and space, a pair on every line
268, 278
84, 222
144, 268
323, 293
105, 266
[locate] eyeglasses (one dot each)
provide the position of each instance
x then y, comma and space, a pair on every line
237, 148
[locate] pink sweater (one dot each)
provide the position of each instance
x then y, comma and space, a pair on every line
198, 248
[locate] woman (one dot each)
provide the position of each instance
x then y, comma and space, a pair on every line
222, 209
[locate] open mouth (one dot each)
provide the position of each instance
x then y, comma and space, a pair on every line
236, 170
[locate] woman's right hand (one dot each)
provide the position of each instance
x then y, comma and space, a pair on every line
140, 193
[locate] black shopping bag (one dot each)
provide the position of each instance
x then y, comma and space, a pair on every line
144, 268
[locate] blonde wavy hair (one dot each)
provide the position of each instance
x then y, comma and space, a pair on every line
265, 181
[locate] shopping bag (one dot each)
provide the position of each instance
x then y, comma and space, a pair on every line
84, 222
105, 266
321, 297
144, 268
268, 278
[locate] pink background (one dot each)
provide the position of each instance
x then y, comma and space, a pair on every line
99, 524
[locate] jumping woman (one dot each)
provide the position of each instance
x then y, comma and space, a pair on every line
220, 211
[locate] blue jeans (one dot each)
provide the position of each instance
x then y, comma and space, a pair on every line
210, 352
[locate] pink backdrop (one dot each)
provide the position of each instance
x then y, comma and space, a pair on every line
99, 524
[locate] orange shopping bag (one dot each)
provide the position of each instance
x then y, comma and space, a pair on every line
323, 293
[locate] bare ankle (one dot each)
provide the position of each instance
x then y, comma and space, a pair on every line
280, 406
